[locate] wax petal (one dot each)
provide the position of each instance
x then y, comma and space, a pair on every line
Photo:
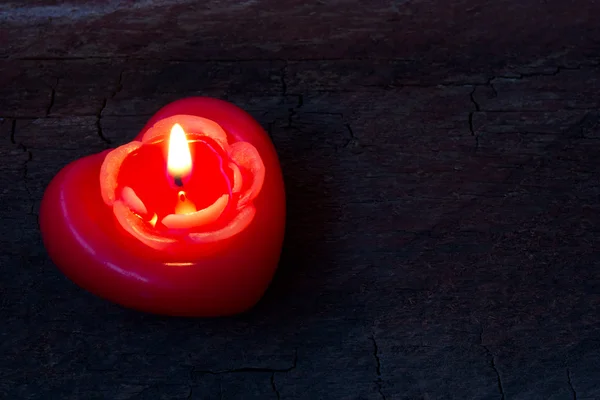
132, 201
198, 218
237, 225
246, 157
110, 170
138, 228
237, 178
191, 125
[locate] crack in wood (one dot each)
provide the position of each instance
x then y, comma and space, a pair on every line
99, 123
250, 369
25, 177
570, 382
283, 74
118, 88
378, 381
274, 386
492, 363
52, 97
471, 114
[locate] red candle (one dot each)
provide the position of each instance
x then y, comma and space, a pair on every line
187, 219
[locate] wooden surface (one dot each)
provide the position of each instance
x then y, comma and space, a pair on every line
442, 167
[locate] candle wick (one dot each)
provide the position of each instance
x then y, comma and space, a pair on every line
178, 181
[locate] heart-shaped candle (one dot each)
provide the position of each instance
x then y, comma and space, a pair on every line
187, 219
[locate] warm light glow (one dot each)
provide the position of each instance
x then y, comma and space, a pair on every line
179, 159
184, 205
153, 220
202, 217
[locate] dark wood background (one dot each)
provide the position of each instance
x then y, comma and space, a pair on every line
443, 175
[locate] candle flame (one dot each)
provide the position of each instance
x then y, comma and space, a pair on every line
179, 159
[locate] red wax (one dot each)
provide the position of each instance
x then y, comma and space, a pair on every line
117, 224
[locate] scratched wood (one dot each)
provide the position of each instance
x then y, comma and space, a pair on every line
441, 166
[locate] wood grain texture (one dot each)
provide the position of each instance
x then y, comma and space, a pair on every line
441, 166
